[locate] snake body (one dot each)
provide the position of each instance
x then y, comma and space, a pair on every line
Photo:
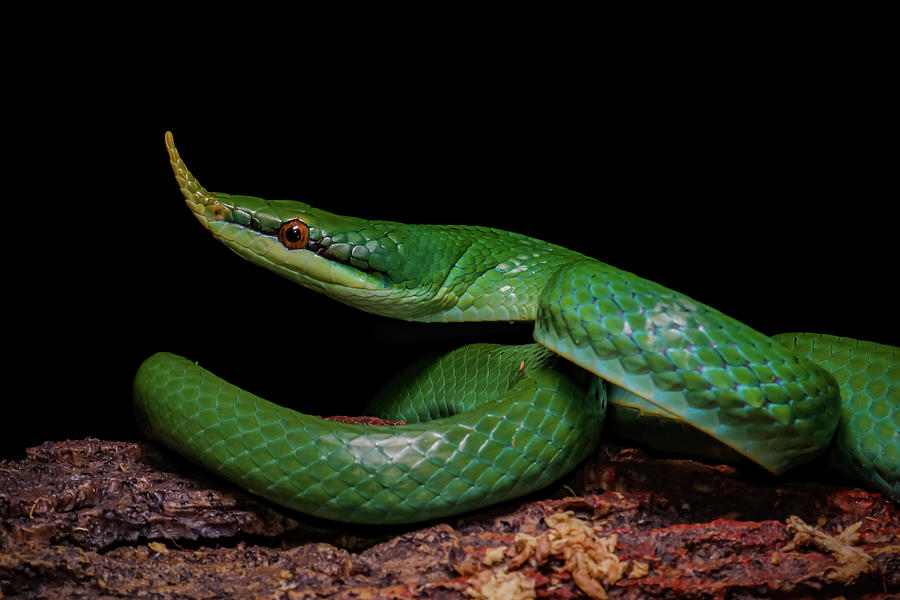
489, 423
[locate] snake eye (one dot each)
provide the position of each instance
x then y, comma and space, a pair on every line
294, 234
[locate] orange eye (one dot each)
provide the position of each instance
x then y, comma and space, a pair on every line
294, 234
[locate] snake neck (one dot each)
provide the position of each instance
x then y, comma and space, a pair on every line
491, 275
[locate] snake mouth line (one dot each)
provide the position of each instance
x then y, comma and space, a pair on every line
304, 266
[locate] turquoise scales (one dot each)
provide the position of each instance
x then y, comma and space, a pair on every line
489, 423
867, 443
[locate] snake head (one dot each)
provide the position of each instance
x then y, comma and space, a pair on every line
330, 253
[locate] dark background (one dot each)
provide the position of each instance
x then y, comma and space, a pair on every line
756, 183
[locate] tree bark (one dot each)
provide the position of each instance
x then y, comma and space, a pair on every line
102, 519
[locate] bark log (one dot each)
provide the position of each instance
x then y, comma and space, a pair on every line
101, 519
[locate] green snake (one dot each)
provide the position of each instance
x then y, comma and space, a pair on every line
488, 423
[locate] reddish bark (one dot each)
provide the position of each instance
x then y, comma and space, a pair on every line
91, 519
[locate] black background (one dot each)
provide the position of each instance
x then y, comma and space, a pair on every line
757, 183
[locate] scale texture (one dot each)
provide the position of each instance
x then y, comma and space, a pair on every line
867, 444
534, 425
696, 364
490, 423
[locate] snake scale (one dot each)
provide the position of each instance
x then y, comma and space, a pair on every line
488, 423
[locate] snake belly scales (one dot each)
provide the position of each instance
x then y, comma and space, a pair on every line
487, 423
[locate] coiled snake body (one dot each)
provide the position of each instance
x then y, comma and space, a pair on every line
488, 422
